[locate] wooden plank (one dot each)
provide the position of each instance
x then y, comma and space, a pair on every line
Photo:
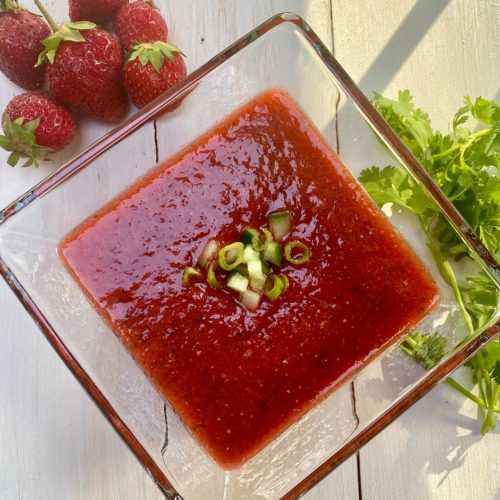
441, 50
54, 443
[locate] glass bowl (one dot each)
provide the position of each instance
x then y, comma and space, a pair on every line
285, 53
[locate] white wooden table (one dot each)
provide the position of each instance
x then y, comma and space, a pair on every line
54, 443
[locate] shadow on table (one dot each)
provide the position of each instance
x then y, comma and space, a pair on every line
402, 43
449, 434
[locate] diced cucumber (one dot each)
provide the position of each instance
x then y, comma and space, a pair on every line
237, 282
280, 224
272, 253
248, 234
256, 275
250, 255
250, 299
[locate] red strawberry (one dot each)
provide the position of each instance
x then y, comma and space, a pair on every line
140, 22
85, 69
35, 125
96, 11
152, 68
21, 35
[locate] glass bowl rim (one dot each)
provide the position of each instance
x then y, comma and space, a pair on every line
159, 106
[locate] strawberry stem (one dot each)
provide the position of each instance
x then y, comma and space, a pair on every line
53, 25
6, 5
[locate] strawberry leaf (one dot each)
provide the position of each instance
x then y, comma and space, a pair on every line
153, 53
13, 158
20, 141
5, 143
29, 162
68, 32
81, 25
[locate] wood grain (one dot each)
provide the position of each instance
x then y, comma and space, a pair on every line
441, 50
53, 441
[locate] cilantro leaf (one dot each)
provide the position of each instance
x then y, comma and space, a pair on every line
466, 166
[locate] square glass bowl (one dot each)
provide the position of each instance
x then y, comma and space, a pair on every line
283, 52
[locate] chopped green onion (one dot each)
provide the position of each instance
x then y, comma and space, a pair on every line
209, 252
211, 278
237, 282
246, 266
248, 234
250, 255
277, 287
250, 299
242, 269
258, 243
280, 224
286, 282
304, 255
268, 235
272, 253
188, 274
257, 277
266, 268
231, 256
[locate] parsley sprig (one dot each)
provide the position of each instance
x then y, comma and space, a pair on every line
466, 166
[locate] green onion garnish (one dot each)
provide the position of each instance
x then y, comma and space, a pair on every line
209, 252
272, 253
188, 274
277, 287
211, 278
242, 269
280, 224
304, 253
258, 243
286, 282
267, 234
237, 282
246, 266
266, 268
231, 256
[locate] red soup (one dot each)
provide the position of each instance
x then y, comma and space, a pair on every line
237, 378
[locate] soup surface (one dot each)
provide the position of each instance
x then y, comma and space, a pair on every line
237, 378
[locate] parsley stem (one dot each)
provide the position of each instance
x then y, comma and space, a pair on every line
462, 390
458, 294
496, 397
489, 422
454, 148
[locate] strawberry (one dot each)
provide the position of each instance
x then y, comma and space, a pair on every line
85, 68
21, 35
96, 11
151, 69
35, 125
140, 22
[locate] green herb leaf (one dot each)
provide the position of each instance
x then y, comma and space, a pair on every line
465, 165
496, 372
428, 349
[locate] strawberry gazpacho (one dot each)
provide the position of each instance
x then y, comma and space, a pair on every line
249, 275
